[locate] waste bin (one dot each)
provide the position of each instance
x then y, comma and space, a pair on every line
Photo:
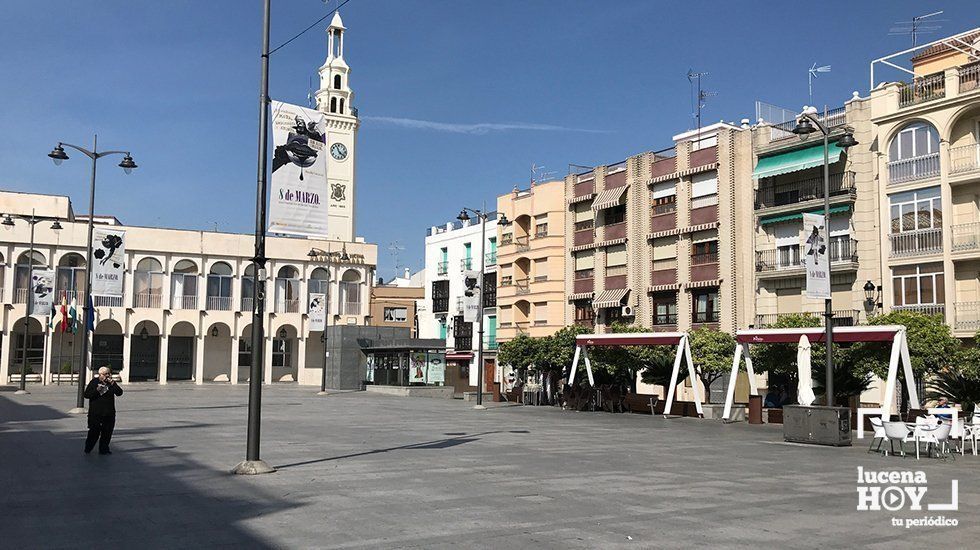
755, 409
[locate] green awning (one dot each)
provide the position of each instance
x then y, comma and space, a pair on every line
794, 161
799, 215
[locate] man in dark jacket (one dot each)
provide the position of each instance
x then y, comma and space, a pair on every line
101, 393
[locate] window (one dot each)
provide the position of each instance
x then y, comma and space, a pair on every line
584, 264
584, 314
664, 308
541, 313
584, 218
336, 82
613, 315
913, 210
442, 328
282, 352
219, 287
616, 214
70, 281
490, 289
705, 253
287, 290
541, 230
918, 284
35, 351
915, 140
22, 273
704, 190
443, 267
341, 105
184, 283
244, 352
616, 255
148, 283
333, 104
396, 314
440, 296
462, 334
707, 308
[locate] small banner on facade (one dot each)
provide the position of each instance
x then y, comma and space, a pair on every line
816, 256
298, 197
417, 370
437, 367
108, 251
42, 292
471, 296
317, 311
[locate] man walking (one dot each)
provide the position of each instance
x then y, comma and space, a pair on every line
101, 393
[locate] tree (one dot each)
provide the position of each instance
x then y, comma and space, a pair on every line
711, 353
557, 351
621, 364
781, 358
960, 383
520, 353
931, 346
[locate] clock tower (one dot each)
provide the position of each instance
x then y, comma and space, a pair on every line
334, 99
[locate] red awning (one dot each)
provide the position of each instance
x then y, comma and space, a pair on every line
459, 356
630, 339
883, 333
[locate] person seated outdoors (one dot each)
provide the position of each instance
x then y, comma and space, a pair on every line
774, 398
944, 404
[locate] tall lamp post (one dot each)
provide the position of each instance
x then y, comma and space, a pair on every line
482, 216
58, 155
313, 254
804, 127
32, 220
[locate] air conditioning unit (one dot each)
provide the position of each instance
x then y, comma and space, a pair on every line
627, 311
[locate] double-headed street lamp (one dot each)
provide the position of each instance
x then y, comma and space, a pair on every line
58, 155
501, 219
8, 221
804, 127
313, 254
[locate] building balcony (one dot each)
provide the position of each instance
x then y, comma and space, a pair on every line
20, 295
107, 301
964, 159
913, 169
802, 192
218, 303
440, 305
614, 231
583, 233
835, 119
967, 316
247, 302
490, 258
183, 302
584, 282
522, 287
704, 267
916, 243
777, 261
615, 175
969, 77
466, 264
284, 305
927, 309
921, 90
490, 343
664, 162
442, 267
842, 317
351, 308
522, 243
966, 237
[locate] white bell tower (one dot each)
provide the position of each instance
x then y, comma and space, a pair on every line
334, 99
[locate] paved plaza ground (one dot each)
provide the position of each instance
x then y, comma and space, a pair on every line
358, 470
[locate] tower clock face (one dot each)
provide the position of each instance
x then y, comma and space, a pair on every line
338, 151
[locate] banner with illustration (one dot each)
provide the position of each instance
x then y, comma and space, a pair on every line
42, 292
418, 368
108, 252
816, 256
437, 368
298, 194
317, 311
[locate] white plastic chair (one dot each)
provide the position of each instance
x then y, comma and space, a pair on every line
935, 435
896, 431
923, 425
879, 434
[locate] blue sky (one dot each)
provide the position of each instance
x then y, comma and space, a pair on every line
507, 84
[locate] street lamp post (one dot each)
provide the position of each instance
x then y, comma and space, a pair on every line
32, 220
58, 155
482, 216
315, 253
803, 129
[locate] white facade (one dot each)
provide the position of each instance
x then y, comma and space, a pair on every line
335, 98
450, 250
186, 308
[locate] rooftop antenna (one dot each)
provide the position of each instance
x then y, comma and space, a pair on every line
917, 27
698, 98
394, 248
309, 94
538, 174
813, 74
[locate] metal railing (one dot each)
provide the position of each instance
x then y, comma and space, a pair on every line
842, 317
522, 244
770, 195
922, 89
666, 208
490, 258
77, 295
459, 304
704, 258
350, 308
465, 263
969, 77
147, 299
523, 286
585, 224
964, 159
915, 168
490, 343
927, 309
284, 305
704, 201
585, 176
506, 280
914, 243
184, 302
967, 316
442, 268
218, 303
841, 249
20, 295
707, 316
966, 236
246, 303
107, 301
506, 239
539, 233
835, 118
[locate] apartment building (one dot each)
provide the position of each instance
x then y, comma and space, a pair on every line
186, 308
531, 258
450, 251
927, 161
395, 303
654, 239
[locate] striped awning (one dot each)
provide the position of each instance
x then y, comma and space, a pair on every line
703, 284
610, 298
581, 198
794, 161
683, 173
580, 296
842, 209
700, 227
608, 198
663, 288
667, 233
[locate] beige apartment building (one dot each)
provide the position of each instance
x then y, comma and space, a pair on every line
927, 163
531, 260
654, 239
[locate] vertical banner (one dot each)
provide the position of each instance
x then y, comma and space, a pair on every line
437, 367
298, 196
471, 302
317, 311
419, 366
108, 251
42, 292
816, 257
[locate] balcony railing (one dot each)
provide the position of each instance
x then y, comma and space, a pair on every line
922, 89
665, 208
966, 236
107, 301
506, 280
915, 243
246, 303
490, 258
70, 295
350, 308
964, 159
585, 224
442, 267
664, 319
706, 316
842, 249
704, 258
770, 195
834, 119
967, 316
287, 306
969, 77
459, 304
506, 239
842, 317
522, 244
704, 201
465, 263
218, 303
523, 286
184, 302
20, 295
927, 309
912, 169
490, 343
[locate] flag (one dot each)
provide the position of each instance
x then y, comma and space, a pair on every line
89, 315
52, 316
73, 314
64, 312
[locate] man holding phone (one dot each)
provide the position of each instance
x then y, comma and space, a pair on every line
101, 393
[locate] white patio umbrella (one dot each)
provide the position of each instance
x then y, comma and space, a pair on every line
804, 388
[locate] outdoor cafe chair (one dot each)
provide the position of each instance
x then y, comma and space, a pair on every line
896, 431
919, 429
879, 434
937, 436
